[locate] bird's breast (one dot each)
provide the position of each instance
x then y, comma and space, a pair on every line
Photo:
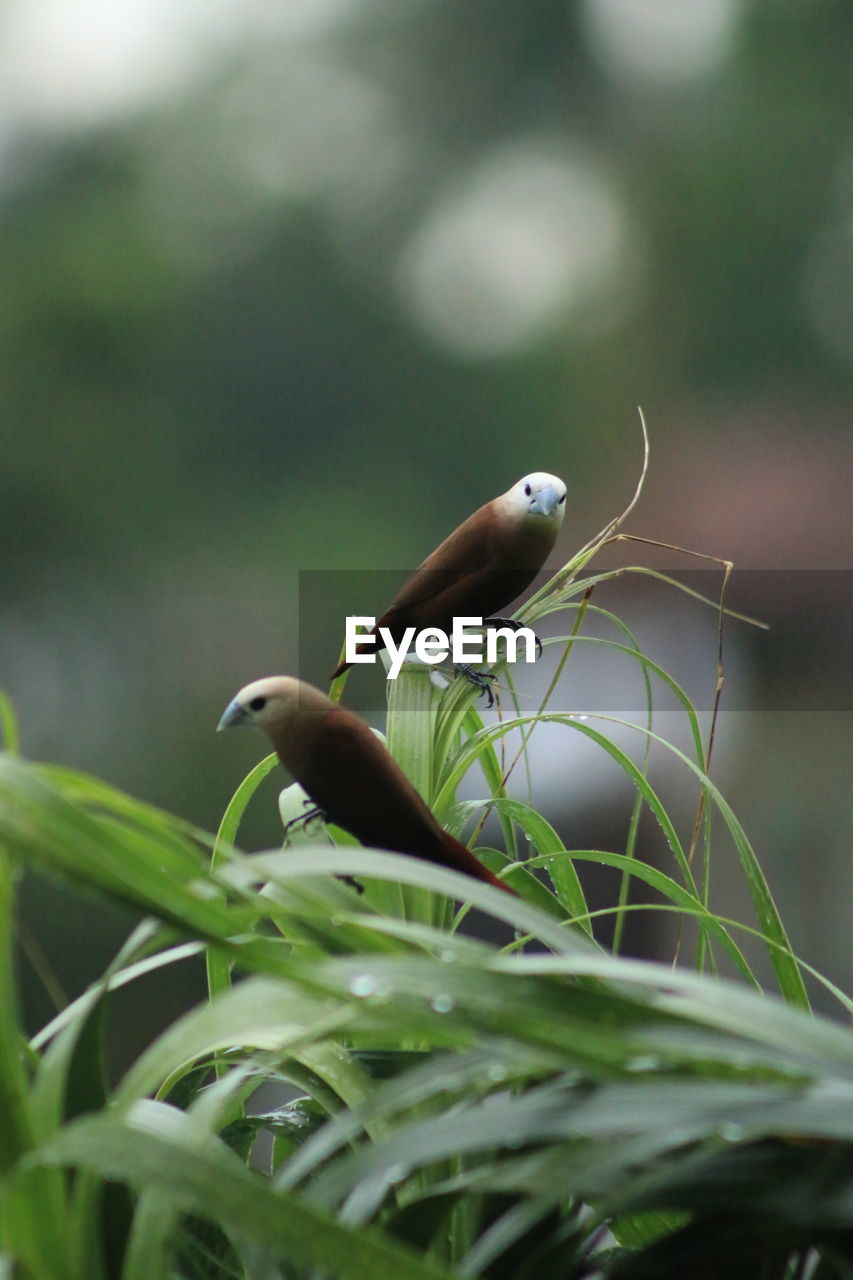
525, 543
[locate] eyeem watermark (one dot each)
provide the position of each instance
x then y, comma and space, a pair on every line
433, 645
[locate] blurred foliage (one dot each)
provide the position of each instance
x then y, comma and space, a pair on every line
435, 1106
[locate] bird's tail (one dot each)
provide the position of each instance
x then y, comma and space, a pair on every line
458, 858
345, 666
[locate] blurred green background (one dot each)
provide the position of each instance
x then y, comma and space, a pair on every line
297, 286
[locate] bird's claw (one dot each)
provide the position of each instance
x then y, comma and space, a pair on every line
313, 811
483, 680
514, 625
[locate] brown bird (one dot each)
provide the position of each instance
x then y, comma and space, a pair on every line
483, 565
347, 772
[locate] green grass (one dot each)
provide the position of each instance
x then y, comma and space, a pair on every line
540, 1107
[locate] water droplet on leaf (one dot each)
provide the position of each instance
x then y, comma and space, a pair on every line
643, 1062
442, 1002
363, 984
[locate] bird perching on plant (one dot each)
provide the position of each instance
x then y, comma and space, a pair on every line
483, 565
347, 772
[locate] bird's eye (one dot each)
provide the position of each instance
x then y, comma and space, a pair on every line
257, 704
563, 499
527, 490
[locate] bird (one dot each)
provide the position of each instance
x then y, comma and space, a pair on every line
483, 565
348, 773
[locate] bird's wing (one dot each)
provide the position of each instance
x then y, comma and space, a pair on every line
475, 572
360, 787
467, 551
438, 590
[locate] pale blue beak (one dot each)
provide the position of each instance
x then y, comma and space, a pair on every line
545, 501
233, 715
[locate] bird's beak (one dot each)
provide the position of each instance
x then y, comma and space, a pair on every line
545, 501
233, 715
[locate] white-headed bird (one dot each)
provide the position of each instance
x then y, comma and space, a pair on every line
484, 564
347, 772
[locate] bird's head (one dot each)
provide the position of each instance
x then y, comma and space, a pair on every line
540, 495
269, 704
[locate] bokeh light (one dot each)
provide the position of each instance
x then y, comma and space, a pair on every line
534, 235
661, 43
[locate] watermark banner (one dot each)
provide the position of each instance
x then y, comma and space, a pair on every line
796, 660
